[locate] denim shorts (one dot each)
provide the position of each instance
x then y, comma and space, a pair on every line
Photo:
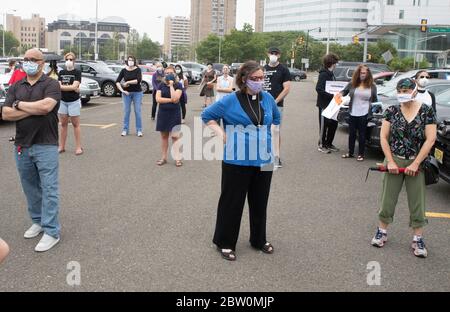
72, 109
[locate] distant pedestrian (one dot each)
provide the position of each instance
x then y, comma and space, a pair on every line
185, 84
244, 175
157, 78
363, 92
4, 250
208, 85
225, 84
33, 104
129, 83
423, 95
168, 120
327, 126
53, 72
408, 134
278, 84
11, 66
70, 106
17, 75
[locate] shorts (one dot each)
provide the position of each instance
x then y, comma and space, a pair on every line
72, 109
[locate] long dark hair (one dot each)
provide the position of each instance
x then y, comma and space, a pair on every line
181, 74
356, 79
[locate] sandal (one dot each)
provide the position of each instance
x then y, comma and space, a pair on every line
228, 254
268, 248
161, 162
348, 155
61, 151
79, 153
179, 163
360, 158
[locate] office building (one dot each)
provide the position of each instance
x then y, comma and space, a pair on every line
29, 32
177, 36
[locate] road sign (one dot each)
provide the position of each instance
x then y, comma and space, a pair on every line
439, 30
387, 56
305, 60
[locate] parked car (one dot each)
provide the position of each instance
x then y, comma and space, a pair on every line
297, 74
235, 67
218, 68
381, 78
196, 70
442, 150
99, 72
344, 70
146, 83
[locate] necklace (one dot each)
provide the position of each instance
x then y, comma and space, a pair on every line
258, 117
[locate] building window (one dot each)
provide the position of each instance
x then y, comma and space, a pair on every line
401, 14
390, 2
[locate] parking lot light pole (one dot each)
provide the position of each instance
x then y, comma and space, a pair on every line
96, 32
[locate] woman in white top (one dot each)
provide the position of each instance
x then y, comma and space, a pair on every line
225, 84
423, 95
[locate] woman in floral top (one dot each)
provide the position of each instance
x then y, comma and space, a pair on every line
408, 134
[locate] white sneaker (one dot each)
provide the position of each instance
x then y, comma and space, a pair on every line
140, 134
46, 243
124, 133
33, 231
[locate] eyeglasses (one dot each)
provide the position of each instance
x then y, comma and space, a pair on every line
32, 59
259, 78
422, 77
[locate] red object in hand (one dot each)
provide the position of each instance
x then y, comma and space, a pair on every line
385, 169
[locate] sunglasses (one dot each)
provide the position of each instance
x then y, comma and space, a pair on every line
422, 77
274, 53
32, 59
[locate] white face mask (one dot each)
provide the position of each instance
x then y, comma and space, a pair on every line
273, 59
405, 97
423, 82
69, 64
178, 71
130, 63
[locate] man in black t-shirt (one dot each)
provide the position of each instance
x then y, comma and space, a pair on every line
33, 103
70, 107
278, 83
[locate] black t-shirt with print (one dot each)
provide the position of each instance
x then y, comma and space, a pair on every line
67, 78
274, 79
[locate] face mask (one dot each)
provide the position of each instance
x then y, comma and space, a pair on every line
255, 86
178, 71
273, 59
31, 68
160, 70
130, 63
69, 64
405, 97
423, 82
170, 77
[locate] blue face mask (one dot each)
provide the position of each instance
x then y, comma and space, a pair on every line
170, 77
31, 68
255, 86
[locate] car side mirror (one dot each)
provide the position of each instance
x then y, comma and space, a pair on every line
93, 72
379, 82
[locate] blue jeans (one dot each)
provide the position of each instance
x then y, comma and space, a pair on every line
136, 98
38, 171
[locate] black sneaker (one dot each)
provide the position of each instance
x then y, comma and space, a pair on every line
333, 148
324, 150
278, 163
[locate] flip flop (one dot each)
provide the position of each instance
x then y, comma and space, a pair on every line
161, 162
61, 151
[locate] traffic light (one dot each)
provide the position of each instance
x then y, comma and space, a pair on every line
293, 54
355, 39
423, 27
369, 57
300, 41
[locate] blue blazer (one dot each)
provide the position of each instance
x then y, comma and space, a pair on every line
247, 144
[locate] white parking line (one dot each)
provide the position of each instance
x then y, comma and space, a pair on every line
100, 106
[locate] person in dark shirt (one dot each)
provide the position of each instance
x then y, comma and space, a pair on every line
129, 83
70, 107
157, 78
33, 103
278, 83
327, 126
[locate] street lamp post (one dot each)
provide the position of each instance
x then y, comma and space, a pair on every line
420, 41
307, 40
96, 32
329, 26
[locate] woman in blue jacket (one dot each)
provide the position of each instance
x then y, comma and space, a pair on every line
248, 159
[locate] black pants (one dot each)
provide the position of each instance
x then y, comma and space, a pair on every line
155, 104
357, 125
183, 109
328, 129
239, 182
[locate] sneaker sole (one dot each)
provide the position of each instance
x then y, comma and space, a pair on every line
53, 245
33, 236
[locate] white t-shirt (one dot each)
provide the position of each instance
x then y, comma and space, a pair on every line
424, 98
223, 83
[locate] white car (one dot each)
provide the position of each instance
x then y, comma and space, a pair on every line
146, 83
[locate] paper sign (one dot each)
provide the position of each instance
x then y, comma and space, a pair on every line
334, 87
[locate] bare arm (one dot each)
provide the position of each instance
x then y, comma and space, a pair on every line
384, 138
218, 130
74, 87
39, 108
12, 114
285, 92
430, 134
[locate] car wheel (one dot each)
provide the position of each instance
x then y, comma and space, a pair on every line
109, 89
297, 78
144, 87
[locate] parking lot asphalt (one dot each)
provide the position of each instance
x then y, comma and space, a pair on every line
133, 226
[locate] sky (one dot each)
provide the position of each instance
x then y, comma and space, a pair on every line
146, 16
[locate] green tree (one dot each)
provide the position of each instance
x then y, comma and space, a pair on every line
147, 49
208, 49
12, 45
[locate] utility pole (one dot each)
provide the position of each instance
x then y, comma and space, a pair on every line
96, 32
329, 26
366, 43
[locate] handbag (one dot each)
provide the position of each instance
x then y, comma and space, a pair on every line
430, 169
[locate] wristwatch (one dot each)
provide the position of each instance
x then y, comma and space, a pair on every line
16, 104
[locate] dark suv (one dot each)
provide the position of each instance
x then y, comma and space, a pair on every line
99, 72
442, 149
344, 70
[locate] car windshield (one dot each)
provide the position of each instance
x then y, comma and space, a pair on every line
102, 68
444, 98
392, 84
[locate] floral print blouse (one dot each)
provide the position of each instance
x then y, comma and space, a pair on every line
406, 139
